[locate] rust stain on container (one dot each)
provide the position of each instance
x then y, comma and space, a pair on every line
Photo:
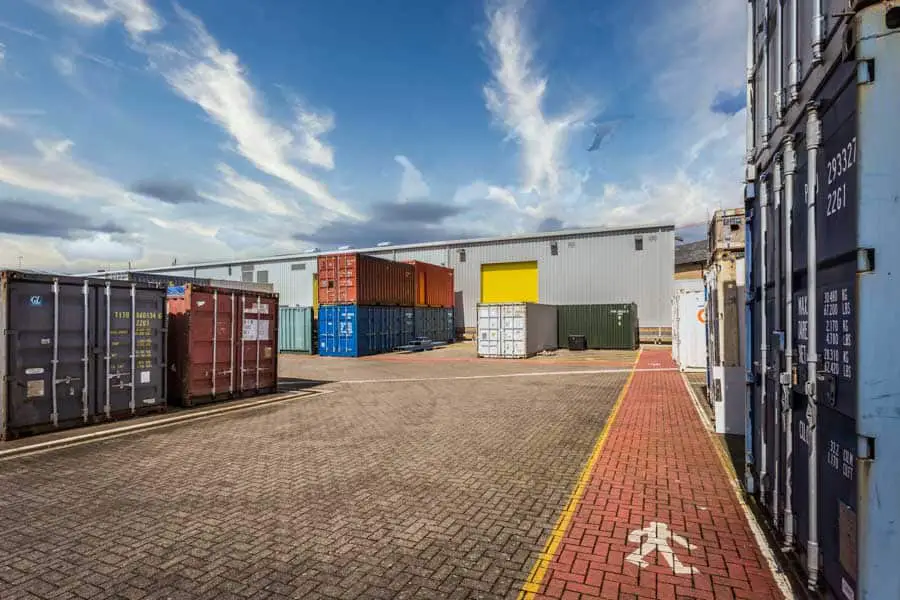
433, 283
356, 278
221, 344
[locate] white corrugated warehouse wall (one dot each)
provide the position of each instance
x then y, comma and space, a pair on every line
588, 267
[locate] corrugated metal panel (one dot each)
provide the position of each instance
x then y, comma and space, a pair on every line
606, 326
509, 282
587, 270
295, 329
436, 324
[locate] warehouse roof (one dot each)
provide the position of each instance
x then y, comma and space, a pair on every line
693, 252
560, 234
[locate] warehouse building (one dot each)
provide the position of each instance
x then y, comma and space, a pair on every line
577, 266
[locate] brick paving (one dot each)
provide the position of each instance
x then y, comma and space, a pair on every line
658, 472
422, 489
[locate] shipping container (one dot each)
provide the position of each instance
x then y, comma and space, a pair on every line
353, 330
295, 329
605, 326
689, 329
78, 351
366, 280
433, 283
822, 254
435, 324
222, 344
725, 298
516, 330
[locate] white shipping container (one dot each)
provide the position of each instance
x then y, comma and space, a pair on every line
516, 330
689, 329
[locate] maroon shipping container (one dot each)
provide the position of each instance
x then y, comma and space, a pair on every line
434, 284
222, 344
366, 280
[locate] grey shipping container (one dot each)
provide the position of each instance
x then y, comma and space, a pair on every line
77, 351
605, 326
822, 257
435, 324
515, 330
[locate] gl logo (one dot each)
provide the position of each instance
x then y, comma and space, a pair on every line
36, 301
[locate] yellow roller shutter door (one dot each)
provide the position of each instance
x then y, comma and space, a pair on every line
509, 282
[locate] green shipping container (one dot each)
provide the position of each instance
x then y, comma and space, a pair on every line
295, 329
606, 326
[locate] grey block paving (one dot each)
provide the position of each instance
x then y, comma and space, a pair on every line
443, 489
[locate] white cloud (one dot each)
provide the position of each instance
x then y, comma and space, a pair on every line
412, 182
2, 53
64, 65
101, 247
6, 122
515, 98
244, 193
136, 15
55, 171
214, 80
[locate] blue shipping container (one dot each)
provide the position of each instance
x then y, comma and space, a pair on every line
351, 330
295, 329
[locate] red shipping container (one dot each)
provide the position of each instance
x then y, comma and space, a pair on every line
222, 344
434, 284
356, 278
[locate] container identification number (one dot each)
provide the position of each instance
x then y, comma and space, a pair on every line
841, 459
838, 166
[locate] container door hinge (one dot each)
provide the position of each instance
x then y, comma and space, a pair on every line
865, 447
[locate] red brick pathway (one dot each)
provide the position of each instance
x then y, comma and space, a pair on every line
658, 466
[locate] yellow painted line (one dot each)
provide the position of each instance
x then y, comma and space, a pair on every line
542, 564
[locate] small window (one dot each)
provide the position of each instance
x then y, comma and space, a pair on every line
638, 244
554, 249
247, 276
298, 267
246, 268
262, 277
572, 244
462, 255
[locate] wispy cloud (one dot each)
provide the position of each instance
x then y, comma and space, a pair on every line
412, 182
2, 53
515, 97
214, 79
55, 171
136, 15
23, 31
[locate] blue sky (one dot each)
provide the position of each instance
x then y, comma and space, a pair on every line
147, 130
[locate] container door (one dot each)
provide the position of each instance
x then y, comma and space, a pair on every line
513, 334
130, 336
420, 287
256, 357
488, 330
49, 322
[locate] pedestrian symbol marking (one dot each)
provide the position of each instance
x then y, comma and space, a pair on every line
656, 537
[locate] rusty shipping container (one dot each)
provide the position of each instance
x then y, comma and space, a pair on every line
433, 284
356, 278
78, 351
222, 344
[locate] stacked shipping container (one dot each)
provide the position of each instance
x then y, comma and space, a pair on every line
365, 304
822, 182
434, 315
